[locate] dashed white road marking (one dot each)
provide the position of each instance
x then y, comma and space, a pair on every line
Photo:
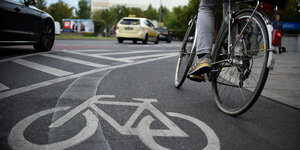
147, 56
3, 87
97, 56
19, 57
43, 68
77, 61
20, 90
129, 52
93, 50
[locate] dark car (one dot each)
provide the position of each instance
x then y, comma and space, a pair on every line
21, 23
164, 34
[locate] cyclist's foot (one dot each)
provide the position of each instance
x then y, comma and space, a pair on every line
203, 65
197, 78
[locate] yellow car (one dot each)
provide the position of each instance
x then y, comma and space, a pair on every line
136, 29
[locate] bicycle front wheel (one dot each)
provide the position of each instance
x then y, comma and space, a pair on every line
240, 74
186, 56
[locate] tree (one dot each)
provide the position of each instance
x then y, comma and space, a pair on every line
84, 10
292, 9
60, 10
151, 13
118, 12
164, 13
41, 5
136, 11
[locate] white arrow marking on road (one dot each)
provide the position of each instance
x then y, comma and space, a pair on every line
61, 79
97, 56
77, 61
43, 68
3, 87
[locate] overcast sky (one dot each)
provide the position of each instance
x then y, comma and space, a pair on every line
155, 3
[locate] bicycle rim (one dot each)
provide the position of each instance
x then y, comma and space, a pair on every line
186, 57
236, 87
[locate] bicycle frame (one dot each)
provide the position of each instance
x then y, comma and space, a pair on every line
228, 20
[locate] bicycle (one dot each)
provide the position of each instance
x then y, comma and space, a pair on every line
242, 56
17, 140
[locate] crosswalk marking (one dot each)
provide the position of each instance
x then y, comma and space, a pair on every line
148, 56
92, 50
43, 68
130, 52
101, 57
75, 60
3, 87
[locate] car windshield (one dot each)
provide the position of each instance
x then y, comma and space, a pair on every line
130, 22
162, 30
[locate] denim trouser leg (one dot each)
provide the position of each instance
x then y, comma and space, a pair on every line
205, 25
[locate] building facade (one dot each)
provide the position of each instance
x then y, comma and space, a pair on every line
143, 4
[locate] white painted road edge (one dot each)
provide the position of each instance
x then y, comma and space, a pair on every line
61, 79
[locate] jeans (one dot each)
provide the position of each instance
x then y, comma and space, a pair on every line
206, 25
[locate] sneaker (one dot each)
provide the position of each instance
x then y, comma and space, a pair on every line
203, 65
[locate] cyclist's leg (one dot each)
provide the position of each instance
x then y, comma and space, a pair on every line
206, 25
205, 33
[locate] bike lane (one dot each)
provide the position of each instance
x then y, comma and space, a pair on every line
268, 125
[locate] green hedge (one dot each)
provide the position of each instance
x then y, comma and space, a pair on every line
99, 26
177, 34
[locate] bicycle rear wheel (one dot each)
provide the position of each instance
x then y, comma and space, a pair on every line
186, 56
239, 77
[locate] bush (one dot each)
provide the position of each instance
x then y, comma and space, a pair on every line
88, 34
99, 26
177, 34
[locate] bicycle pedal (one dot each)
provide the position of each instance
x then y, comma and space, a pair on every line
197, 78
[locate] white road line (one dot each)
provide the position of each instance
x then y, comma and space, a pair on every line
92, 50
129, 52
101, 57
43, 68
3, 87
77, 61
61, 79
147, 56
18, 57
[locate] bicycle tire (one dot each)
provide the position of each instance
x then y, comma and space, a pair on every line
264, 72
186, 52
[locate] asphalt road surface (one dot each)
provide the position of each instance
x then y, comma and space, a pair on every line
104, 95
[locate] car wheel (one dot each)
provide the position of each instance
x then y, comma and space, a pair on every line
47, 38
146, 39
157, 40
120, 40
168, 41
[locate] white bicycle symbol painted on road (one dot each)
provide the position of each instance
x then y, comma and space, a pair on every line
17, 140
